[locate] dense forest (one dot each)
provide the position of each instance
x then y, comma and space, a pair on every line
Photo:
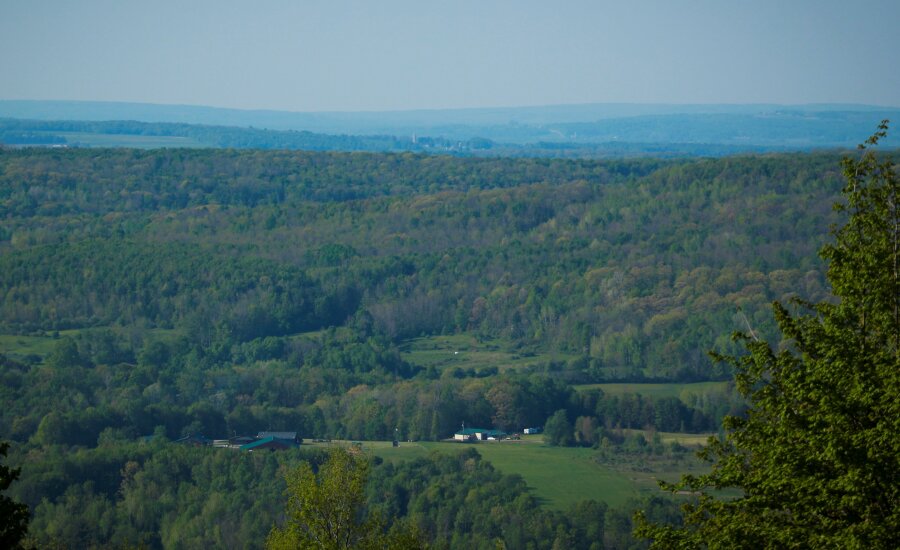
224, 292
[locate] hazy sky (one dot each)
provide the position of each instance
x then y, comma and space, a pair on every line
315, 55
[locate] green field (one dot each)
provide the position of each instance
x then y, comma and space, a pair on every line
657, 390
465, 351
683, 439
559, 476
83, 139
19, 346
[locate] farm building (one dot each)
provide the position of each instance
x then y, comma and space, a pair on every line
477, 434
271, 443
291, 436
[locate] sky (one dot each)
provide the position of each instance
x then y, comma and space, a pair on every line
337, 55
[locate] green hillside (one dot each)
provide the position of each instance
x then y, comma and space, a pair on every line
147, 295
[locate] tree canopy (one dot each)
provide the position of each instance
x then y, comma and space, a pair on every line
327, 510
817, 457
220, 292
13, 515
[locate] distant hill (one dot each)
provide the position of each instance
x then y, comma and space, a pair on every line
154, 135
585, 131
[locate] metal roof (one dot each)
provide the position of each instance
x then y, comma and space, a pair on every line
279, 435
266, 440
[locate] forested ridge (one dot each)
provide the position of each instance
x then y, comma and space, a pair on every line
589, 257
222, 291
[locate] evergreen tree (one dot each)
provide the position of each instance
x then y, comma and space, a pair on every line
817, 457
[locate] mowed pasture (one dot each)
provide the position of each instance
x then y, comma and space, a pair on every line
20, 347
466, 352
558, 476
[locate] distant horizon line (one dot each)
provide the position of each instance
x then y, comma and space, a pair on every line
828, 105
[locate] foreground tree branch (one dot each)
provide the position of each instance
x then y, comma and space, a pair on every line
816, 460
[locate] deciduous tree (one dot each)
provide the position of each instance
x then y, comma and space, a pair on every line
326, 510
558, 430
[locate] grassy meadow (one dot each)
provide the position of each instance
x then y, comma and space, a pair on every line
559, 476
21, 347
465, 351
